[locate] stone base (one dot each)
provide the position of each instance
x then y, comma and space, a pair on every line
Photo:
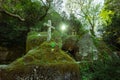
67, 71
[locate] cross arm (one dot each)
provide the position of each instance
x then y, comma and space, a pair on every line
52, 27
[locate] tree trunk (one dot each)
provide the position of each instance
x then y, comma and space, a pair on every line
92, 31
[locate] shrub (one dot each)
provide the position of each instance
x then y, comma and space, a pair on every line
101, 70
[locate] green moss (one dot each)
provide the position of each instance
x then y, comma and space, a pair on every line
45, 54
52, 44
46, 60
35, 39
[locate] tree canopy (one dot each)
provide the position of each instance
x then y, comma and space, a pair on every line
17, 17
87, 11
112, 30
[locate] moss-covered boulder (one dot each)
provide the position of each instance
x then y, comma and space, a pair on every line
34, 39
46, 62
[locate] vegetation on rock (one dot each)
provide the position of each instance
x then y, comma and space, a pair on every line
44, 58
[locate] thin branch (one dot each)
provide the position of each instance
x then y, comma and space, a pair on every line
13, 15
85, 14
93, 20
42, 17
47, 7
80, 15
43, 2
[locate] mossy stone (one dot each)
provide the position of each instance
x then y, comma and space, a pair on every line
35, 39
43, 63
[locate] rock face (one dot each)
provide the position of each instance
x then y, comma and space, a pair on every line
87, 48
81, 47
70, 45
42, 73
46, 62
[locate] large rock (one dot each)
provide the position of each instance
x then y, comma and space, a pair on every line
46, 62
81, 47
70, 45
87, 48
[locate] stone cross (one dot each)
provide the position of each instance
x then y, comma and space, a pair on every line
49, 25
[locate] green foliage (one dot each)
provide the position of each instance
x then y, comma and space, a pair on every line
33, 11
101, 70
35, 39
75, 24
30, 11
106, 16
53, 16
112, 31
106, 70
85, 71
87, 11
52, 44
13, 30
57, 37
